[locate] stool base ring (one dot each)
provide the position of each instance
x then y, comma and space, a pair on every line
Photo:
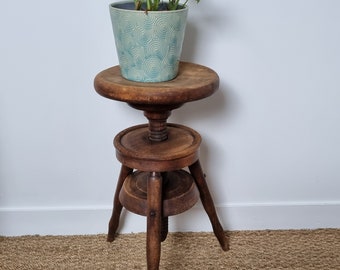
179, 193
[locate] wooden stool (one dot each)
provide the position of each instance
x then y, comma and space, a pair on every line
152, 181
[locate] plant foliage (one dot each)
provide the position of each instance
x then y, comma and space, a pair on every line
156, 5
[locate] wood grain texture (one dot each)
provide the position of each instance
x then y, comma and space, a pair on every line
193, 82
135, 150
179, 193
158, 151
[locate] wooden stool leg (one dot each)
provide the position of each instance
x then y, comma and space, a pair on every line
154, 220
208, 204
117, 206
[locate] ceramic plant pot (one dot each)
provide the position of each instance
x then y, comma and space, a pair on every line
148, 44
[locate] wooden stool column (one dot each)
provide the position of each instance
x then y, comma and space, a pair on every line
154, 220
152, 182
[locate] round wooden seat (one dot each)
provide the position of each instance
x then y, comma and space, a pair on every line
135, 150
193, 82
179, 193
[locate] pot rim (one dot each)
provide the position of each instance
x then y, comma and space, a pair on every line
113, 6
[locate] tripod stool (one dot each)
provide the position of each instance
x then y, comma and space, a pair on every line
152, 181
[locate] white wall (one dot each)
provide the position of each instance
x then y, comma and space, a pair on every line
271, 146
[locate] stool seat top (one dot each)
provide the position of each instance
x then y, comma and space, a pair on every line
193, 82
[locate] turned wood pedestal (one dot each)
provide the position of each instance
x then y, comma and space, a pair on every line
152, 181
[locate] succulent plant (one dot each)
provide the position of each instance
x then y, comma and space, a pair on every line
158, 5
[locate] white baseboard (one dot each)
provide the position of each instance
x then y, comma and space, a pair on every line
94, 219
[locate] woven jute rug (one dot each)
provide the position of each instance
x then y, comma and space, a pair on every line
291, 249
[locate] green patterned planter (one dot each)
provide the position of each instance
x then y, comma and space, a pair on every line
148, 44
